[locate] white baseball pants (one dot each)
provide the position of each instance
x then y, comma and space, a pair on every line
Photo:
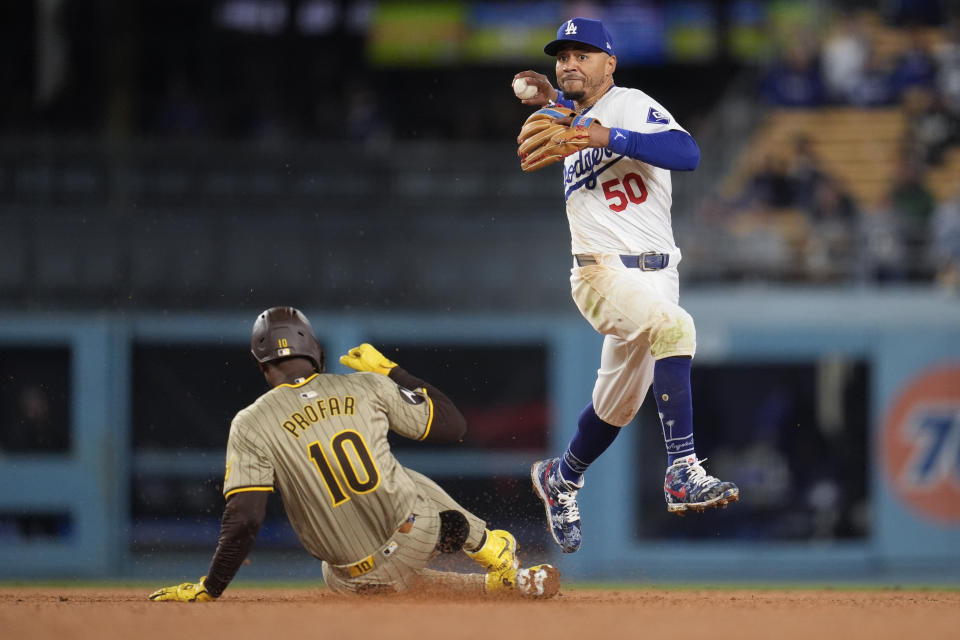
638, 314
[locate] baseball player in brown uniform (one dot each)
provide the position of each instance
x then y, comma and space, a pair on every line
320, 440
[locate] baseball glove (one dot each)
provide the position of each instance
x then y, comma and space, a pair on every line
544, 141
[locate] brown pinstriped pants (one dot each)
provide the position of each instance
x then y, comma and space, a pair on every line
406, 567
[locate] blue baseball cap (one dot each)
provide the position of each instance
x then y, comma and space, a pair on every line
584, 31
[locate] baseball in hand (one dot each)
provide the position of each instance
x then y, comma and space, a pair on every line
523, 90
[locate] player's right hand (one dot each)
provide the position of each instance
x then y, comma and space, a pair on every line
367, 358
186, 592
545, 91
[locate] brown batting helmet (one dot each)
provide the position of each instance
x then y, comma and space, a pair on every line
284, 332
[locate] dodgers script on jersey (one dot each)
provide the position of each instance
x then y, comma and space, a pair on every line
616, 204
323, 445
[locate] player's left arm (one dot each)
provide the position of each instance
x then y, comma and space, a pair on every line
445, 422
673, 149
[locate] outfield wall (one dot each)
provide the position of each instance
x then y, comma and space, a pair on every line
907, 340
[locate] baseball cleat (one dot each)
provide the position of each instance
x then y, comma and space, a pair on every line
538, 581
559, 499
687, 487
498, 556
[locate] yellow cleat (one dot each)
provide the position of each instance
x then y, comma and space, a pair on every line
498, 556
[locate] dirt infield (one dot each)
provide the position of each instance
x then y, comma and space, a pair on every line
108, 614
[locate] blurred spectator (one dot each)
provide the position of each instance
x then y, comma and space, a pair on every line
945, 244
915, 66
794, 79
844, 57
875, 87
832, 203
805, 171
912, 203
881, 255
931, 128
948, 73
769, 185
914, 12
833, 215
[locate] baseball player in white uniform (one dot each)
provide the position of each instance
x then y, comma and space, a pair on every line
320, 440
624, 277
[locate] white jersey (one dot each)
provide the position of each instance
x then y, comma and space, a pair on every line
616, 204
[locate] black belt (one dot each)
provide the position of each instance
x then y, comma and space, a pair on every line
649, 261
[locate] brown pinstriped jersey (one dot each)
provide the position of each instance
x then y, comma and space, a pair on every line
323, 445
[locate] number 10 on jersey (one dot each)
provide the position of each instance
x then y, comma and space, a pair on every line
345, 464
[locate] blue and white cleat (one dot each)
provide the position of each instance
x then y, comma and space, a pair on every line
560, 501
687, 487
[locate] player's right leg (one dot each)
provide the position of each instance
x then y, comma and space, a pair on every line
475, 527
498, 555
625, 374
395, 567
541, 581
494, 550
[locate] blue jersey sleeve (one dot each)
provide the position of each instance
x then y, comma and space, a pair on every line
674, 150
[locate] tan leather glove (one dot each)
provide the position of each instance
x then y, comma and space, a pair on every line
367, 358
186, 592
550, 135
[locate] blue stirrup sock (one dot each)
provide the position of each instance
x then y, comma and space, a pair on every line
671, 386
592, 438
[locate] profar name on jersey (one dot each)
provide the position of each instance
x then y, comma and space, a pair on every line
317, 411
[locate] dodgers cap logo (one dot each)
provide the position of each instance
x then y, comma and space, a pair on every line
584, 31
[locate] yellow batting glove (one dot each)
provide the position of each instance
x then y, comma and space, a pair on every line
186, 592
367, 358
